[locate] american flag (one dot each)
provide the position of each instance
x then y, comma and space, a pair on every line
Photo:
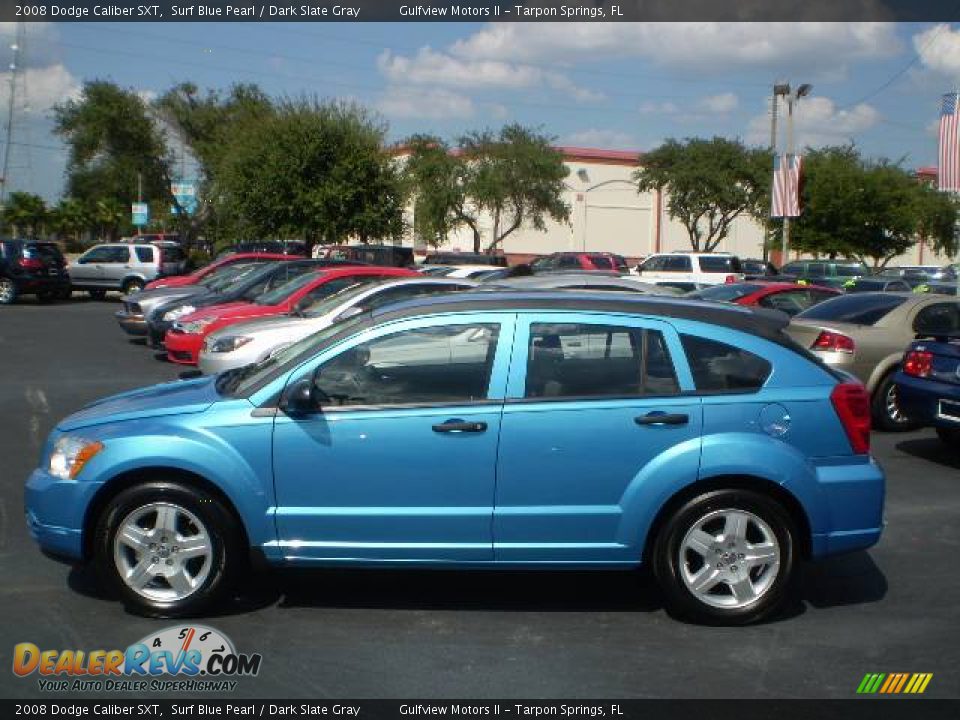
786, 186
948, 174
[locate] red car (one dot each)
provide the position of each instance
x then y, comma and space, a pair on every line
789, 297
185, 339
581, 261
199, 274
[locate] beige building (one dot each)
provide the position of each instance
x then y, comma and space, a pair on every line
607, 214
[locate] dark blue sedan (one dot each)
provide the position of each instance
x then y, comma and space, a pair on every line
929, 384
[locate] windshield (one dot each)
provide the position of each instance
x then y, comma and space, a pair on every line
725, 293
244, 380
866, 309
329, 304
282, 292
852, 270
222, 279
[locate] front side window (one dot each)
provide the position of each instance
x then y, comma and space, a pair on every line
718, 367
677, 263
423, 366
581, 361
107, 254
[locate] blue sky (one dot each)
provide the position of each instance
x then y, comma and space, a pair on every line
610, 85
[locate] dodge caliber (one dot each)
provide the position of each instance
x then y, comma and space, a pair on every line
460, 431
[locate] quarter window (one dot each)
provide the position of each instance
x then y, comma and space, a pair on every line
718, 367
580, 360
433, 365
939, 318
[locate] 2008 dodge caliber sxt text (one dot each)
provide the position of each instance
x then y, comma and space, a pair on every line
480, 430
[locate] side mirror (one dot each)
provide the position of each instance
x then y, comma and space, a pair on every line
301, 398
350, 312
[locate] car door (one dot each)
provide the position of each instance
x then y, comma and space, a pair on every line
399, 463
593, 405
88, 268
115, 266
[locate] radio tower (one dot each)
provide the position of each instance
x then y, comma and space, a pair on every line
16, 47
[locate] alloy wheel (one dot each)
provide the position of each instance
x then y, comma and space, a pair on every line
162, 552
8, 291
892, 406
729, 558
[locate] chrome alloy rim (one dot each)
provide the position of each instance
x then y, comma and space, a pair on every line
893, 406
6, 290
162, 552
729, 558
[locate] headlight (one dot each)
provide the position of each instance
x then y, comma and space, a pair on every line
180, 311
195, 326
70, 454
226, 344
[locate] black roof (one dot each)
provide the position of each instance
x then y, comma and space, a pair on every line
756, 321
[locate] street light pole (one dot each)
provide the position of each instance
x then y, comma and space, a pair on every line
792, 99
779, 89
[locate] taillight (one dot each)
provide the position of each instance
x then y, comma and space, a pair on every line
852, 405
834, 342
730, 279
918, 363
31, 264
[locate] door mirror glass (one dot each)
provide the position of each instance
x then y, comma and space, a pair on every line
301, 398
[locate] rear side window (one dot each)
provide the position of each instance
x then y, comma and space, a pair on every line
865, 309
172, 254
939, 318
850, 270
677, 263
568, 261
581, 360
718, 367
601, 262
726, 293
144, 254
720, 264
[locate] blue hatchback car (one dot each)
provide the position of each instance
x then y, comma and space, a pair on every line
480, 430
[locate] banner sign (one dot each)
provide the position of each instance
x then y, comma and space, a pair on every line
141, 214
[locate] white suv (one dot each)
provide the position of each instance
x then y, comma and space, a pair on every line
691, 267
120, 266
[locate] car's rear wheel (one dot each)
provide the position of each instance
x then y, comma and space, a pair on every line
725, 557
8, 291
46, 296
170, 550
950, 437
133, 285
65, 293
887, 413
97, 294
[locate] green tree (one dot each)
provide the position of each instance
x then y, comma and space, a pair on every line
314, 170
25, 213
111, 217
514, 176
113, 142
710, 183
71, 218
937, 219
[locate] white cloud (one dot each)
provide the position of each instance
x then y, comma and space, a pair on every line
429, 67
722, 103
601, 138
818, 122
46, 87
939, 49
41, 48
701, 46
652, 107
425, 103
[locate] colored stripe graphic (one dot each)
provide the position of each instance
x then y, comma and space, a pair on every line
894, 683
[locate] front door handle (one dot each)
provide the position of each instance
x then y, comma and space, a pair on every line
662, 418
459, 426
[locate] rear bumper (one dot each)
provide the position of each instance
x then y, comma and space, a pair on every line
29, 284
131, 323
853, 497
920, 399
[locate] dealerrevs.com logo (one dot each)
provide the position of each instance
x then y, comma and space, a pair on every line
177, 659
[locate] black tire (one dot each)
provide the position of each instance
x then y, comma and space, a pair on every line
950, 437
65, 293
46, 296
666, 558
8, 291
97, 294
885, 417
133, 285
227, 554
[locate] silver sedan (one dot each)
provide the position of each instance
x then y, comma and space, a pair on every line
250, 342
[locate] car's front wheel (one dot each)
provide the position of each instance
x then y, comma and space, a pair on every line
887, 413
725, 557
8, 291
97, 294
170, 550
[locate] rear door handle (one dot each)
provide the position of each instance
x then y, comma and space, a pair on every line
460, 426
661, 418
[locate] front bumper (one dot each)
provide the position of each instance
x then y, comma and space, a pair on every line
853, 496
55, 511
157, 331
132, 323
183, 348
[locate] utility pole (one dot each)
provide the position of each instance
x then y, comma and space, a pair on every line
792, 99
11, 105
774, 108
139, 197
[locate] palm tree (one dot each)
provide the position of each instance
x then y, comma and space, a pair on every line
25, 213
71, 218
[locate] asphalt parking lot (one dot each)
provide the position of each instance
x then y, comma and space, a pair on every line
370, 634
